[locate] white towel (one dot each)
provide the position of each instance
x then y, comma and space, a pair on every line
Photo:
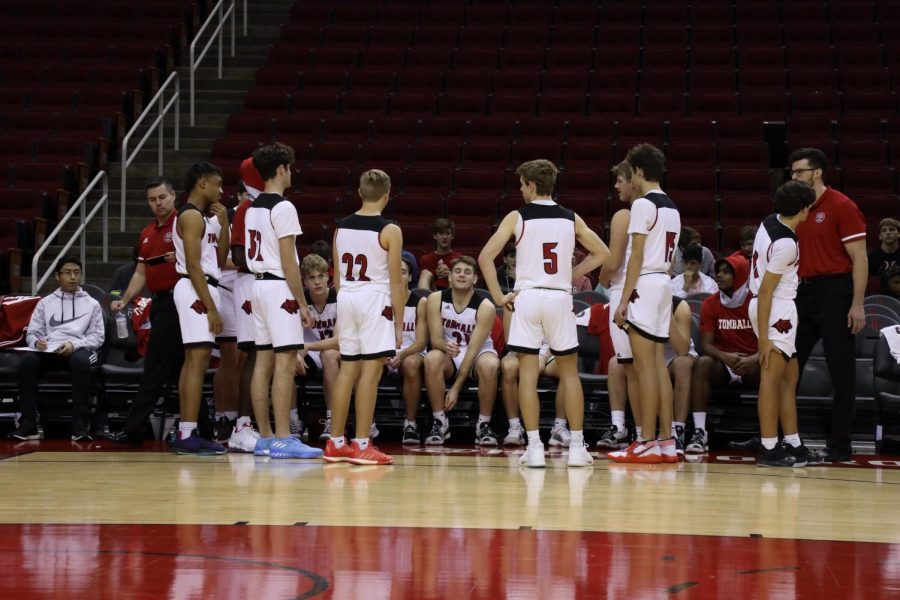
892, 335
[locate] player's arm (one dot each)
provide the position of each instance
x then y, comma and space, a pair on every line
421, 333
287, 252
330, 343
239, 256
494, 246
433, 318
137, 283
222, 245
425, 279
856, 250
763, 315
484, 322
191, 229
632, 272
392, 238
597, 250
618, 244
680, 329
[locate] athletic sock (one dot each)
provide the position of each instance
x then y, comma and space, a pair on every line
676, 424
242, 421
338, 441
515, 422
219, 414
577, 437
483, 419
328, 414
639, 433
294, 415
618, 419
793, 440
439, 415
185, 428
700, 420
769, 443
363, 443
408, 421
534, 437
560, 423
231, 415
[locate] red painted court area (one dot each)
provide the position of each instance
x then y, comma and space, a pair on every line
275, 563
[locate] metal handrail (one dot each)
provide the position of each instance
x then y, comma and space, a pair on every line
215, 35
81, 204
157, 125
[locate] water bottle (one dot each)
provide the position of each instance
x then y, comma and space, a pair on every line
121, 325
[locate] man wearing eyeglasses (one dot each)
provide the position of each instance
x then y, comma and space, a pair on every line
834, 270
65, 332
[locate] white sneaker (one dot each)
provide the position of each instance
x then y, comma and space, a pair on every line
243, 439
579, 456
373, 431
326, 430
296, 427
515, 436
560, 437
533, 456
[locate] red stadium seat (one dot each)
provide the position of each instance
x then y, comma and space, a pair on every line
860, 126
33, 123
443, 153
322, 180
583, 182
811, 103
760, 79
489, 181
759, 34
474, 208
633, 131
531, 58
580, 57
373, 80
298, 127
691, 129
527, 34
475, 79
856, 79
612, 104
691, 155
524, 150
562, 104
392, 33
346, 57
714, 105
394, 128
590, 129
498, 127
738, 128
427, 180
760, 56
509, 80
346, 127
331, 81
17, 147
475, 57
717, 36
813, 80
480, 153
588, 155
409, 105
257, 127
338, 153
662, 105
712, 79
393, 58
470, 235
314, 104
654, 79
764, 105
394, 154
364, 104
417, 208
541, 128
863, 152
872, 181
471, 104
266, 102
512, 104
433, 58
474, 34
743, 155
445, 128
882, 103
420, 80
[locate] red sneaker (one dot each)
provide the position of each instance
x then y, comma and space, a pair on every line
333, 454
369, 456
638, 453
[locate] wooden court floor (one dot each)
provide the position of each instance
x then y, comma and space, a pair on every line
88, 521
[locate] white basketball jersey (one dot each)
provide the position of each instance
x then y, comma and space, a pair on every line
656, 216
409, 322
362, 260
458, 326
545, 243
325, 320
775, 250
209, 260
618, 280
269, 218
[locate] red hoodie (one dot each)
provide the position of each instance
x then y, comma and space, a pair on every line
730, 325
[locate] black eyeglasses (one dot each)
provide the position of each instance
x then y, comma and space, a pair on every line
796, 171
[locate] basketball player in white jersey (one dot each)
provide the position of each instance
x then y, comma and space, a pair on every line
279, 306
460, 319
244, 437
645, 307
773, 315
369, 307
227, 377
612, 276
541, 302
201, 245
410, 357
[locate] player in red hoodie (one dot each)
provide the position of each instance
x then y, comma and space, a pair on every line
729, 354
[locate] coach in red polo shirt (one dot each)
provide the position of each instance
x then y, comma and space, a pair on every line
155, 270
834, 270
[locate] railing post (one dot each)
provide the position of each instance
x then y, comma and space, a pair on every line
221, 33
106, 220
83, 239
245, 18
233, 10
177, 110
161, 134
124, 168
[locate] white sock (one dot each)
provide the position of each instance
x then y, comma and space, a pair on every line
363, 443
560, 423
676, 424
338, 441
328, 414
793, 440
484, 419
515, 423
231, 415
185, 428
439, 415
639, 433
409, 421
294, 415
769, 443
700, 420
534, 437
618, 419
577, 438
219, 414
242, 422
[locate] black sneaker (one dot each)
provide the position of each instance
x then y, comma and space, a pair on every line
82, 435
411, 433
699, 442
439, 433
613, 438
27, 430
753, 443
776, 457
484, 436
222, 429
679, 440
836, 455
804, 455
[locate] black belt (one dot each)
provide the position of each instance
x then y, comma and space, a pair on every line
268, 277
821, 278
162, 294
209, 279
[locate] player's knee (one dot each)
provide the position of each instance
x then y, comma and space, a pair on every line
487, 369
434, 361
331, 359
704, 365
509, 366
412, 365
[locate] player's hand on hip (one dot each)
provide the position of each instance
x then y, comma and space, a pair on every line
508, 301
170, 257
215, 321
451, 399
856, 319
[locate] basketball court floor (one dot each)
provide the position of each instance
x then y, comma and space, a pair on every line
91, 521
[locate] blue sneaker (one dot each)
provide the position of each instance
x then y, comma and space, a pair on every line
196, 445
262, 446
291, 447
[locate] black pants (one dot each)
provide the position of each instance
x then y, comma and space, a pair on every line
822, 307
162, 362
79, 366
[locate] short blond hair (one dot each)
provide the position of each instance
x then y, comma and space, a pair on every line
623, 170
313, 263
374, 184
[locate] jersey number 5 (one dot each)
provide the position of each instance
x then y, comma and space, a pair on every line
551, 260
255, 250
670, 245
361, 261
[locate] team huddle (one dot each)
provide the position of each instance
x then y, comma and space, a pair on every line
370, 321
